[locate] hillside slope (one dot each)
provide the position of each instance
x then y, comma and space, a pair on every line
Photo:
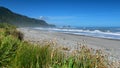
7, 16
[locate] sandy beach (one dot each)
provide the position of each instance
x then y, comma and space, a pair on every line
71, 41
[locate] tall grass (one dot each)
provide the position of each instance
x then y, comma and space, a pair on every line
29, 56
16, 53
8, 48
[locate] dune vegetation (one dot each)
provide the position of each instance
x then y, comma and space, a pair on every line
17, 53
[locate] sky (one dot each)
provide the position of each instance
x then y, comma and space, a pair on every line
69, 12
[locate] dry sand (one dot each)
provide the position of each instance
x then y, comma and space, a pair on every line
72, 41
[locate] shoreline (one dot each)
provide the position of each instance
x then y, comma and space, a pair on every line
78, 35
93, 37
71, 41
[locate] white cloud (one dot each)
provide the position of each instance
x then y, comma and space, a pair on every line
43, 18
57, 17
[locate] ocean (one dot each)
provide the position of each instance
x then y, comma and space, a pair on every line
101, 32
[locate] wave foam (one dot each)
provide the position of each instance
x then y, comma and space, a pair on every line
94, 33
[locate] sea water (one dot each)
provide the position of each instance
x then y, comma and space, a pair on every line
101, 32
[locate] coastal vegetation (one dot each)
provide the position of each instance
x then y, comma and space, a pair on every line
17, 53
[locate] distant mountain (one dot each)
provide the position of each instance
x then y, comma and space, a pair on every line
7, 16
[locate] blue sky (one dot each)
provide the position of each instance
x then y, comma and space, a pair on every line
69, 12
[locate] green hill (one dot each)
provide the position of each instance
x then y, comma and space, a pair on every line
7, 16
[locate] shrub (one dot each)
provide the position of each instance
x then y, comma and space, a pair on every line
15, 33
8, 29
